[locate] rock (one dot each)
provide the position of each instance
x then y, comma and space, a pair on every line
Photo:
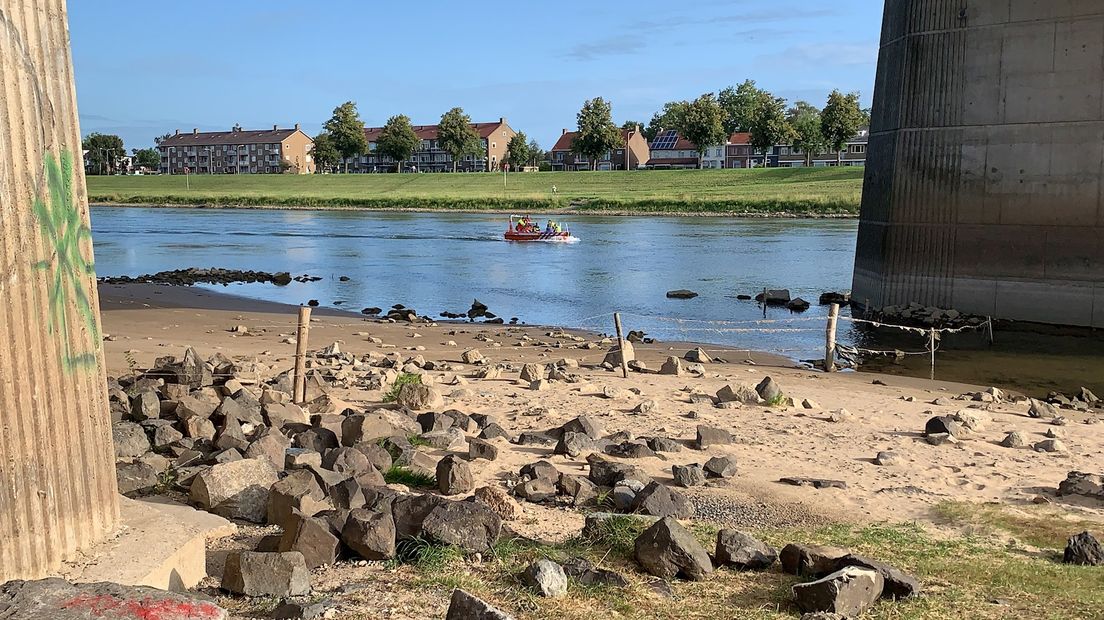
681, 294
940, 439
464, 606
130, 440
841, 415
370, 534
574, 444
542, 470
667, 550
546, 577
585, 425
613, 358
1049, 445
136, 476
473, 357
311, 537
1039, 409
688, 475
537, 490
57, 599
418, 396
630, 450
299, 611
164, 435
145, 405
624, 494
768, 390
798, 305
270, 444
658, 500
449, 439
607, 473
467, 525
645, 407
698, 356
809, 404
816, 483
710, 436
897, 584
615, 393
1084, 549
888, 459
774, 297
235, 490
299, 491
720, 467
1079, 483
663, 444
499, 502
809, 560
581, 570
369, 427
1013, 439
482, 449
743, 551
533, 372
743, 394
581, 490
945, 425
454, 476
972, 420
848, 592
266, 574
673, 366
834, 298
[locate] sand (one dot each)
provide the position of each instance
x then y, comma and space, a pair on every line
149, 321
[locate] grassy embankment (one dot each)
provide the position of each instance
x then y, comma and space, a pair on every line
795, 191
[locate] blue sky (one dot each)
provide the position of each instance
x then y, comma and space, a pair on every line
147, 68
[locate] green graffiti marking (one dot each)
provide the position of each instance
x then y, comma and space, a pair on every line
69, 272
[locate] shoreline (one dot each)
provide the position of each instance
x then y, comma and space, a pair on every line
99, 201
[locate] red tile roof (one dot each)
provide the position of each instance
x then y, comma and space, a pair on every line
564, 143
429, 132
740, 138
203, 138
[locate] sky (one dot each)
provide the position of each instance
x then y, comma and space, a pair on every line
148, 68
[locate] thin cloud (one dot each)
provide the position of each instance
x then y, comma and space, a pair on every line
615, 46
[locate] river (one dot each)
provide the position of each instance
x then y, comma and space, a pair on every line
436, 262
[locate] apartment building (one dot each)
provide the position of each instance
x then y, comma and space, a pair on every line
633, 152
238, 151
789, 156
430, 157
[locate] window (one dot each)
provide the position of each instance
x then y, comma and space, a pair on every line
559, 156
858, 148
494, 145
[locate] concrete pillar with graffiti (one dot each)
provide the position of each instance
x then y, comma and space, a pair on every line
58, 493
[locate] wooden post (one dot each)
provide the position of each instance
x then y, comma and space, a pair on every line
621, 344
300, 376
933, 354
764, 302
989, 320
830, 339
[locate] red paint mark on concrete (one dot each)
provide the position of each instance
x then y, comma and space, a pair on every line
107, 606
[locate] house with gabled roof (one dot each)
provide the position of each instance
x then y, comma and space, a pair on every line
629, 156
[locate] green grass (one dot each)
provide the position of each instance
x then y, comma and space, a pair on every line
798, 191
1038, 526
405, 378
405, 476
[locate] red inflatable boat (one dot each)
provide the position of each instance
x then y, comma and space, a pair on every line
525, 230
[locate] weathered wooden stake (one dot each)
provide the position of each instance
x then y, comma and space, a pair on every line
830, 339
621, 344
764, 302
989, 320
300, 377
933, 354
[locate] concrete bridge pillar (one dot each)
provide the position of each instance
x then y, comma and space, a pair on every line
985, 164
57, 475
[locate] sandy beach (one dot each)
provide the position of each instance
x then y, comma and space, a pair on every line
887, 413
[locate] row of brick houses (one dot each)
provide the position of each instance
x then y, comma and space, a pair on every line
634, 151
430, 157
237, 151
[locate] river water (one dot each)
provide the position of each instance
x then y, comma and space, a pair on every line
441, 262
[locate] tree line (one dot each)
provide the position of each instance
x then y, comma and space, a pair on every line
343, 139
711, 118
104, 152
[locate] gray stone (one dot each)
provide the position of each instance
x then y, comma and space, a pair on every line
613, 358
467, 525
537, 490
541, 469
673, 366
464, 606
448, 439
769, 390
533, 372
809, 560
743, 551
743, 394
945, 425
581, 490
482, 449
887, 459
130, 440
57, 599
658, 500
698, 356
370, 534
720, 467
667, 550
1014, 439
1080, 483
574, 444
1049, 445
709, 436
1040, 409
346, 460
663, 444
585, 425
135, 477
165, 435
299, 491
546, 577
687, 476
379, 424
312, 537
300, 611
897, 584
1084, 549
235, 490
270, 444
848, 592
454, 477
266, 574
607, 473
376, 454
145, 405
495, 431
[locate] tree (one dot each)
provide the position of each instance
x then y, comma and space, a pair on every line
597, 134
739, 104
840, 121
668, 118
632, 126
325, 153
397, 140
702, 123
103, 152
147, 158
536, 154
517, 151
346, 130
804, 117
456, 135
768, 124
159, 139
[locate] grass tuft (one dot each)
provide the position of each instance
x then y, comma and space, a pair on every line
405, 476
405, 378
